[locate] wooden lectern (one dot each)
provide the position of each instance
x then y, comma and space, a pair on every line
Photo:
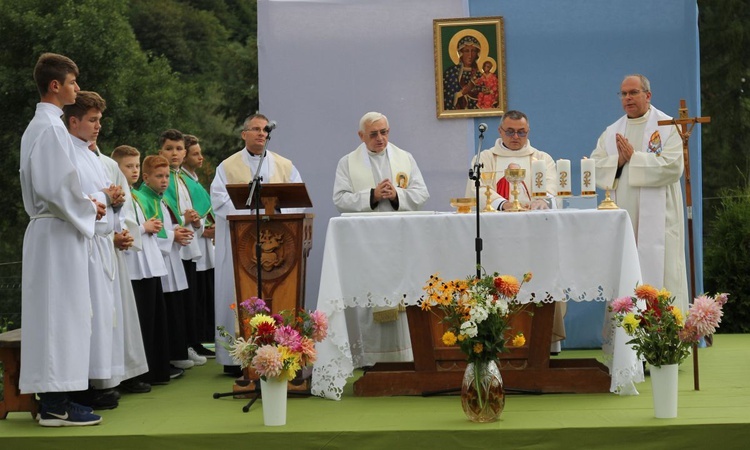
286, 240
437, 367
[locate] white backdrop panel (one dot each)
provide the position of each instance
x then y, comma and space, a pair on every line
323, 64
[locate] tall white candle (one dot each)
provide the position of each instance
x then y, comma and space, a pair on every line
563, 178
538, 178
588, 177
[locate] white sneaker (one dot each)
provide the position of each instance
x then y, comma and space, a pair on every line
182, 364
197, 359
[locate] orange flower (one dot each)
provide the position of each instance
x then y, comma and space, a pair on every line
507, 285
478, 347
647, 292
527, 277
233, 306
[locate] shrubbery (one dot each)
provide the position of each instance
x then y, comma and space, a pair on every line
727, 258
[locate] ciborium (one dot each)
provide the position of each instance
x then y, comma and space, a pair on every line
463, 205
487, 179
514, 176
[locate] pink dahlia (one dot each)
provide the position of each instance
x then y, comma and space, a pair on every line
289, 337
623, 305
320, 325
267, 361
309, 355
704, 315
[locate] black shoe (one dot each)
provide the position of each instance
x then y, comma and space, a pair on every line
203, 351
175, 372
97, 399
233, 371
135, 386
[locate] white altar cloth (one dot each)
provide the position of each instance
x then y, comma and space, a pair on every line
379, 260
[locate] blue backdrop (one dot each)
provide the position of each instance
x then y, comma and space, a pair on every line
565, 61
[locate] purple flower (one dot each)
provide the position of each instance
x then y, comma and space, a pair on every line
254, 305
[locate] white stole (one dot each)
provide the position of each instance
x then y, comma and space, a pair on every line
360, 168
652, 214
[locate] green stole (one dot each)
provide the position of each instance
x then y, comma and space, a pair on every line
150, 203
200, 198
172, 196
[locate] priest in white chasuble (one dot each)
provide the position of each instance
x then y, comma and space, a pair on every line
378, 176
513, 147
643, 163
240, 168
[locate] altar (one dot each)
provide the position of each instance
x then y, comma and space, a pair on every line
375, 260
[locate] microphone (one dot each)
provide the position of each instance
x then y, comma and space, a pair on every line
482, 127
272, 124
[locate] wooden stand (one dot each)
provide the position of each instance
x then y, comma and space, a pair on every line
437, 367
10, 357
286, 241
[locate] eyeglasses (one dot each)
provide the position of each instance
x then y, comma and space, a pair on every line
254, 129
383, 132
633, 93
512, 132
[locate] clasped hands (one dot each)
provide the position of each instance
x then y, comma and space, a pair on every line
624, 150
385, 190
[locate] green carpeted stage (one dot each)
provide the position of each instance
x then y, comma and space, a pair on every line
184, 415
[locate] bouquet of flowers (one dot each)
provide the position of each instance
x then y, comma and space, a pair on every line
660, 333
276, 345
477, 311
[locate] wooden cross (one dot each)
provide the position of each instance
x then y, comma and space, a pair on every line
685, 125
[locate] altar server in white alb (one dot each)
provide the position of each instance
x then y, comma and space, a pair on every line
83, 119
643, 163
513, 147
56, 301
240, 168
378, 176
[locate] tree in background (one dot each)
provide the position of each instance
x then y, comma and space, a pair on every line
727, 258
190, 65
725, 87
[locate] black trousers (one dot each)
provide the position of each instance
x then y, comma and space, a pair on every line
205, 309
190, 299
152, 312
176, 325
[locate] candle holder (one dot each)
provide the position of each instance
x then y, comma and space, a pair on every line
607, 203
514, 176
487, 178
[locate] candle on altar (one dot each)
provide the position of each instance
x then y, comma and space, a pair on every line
538, 178
563, 178
588, 177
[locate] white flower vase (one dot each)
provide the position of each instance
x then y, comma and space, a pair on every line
273, 398
664, 386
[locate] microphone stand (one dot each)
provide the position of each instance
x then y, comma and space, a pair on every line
475, 173
253, 199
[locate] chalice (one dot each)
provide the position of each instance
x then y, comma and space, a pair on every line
514, 176
487, 179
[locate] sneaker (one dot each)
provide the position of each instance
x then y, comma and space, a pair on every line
203, 351
174, 372
68, 414
197, 359
182, 364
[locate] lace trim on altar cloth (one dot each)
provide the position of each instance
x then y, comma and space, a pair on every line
370, 299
